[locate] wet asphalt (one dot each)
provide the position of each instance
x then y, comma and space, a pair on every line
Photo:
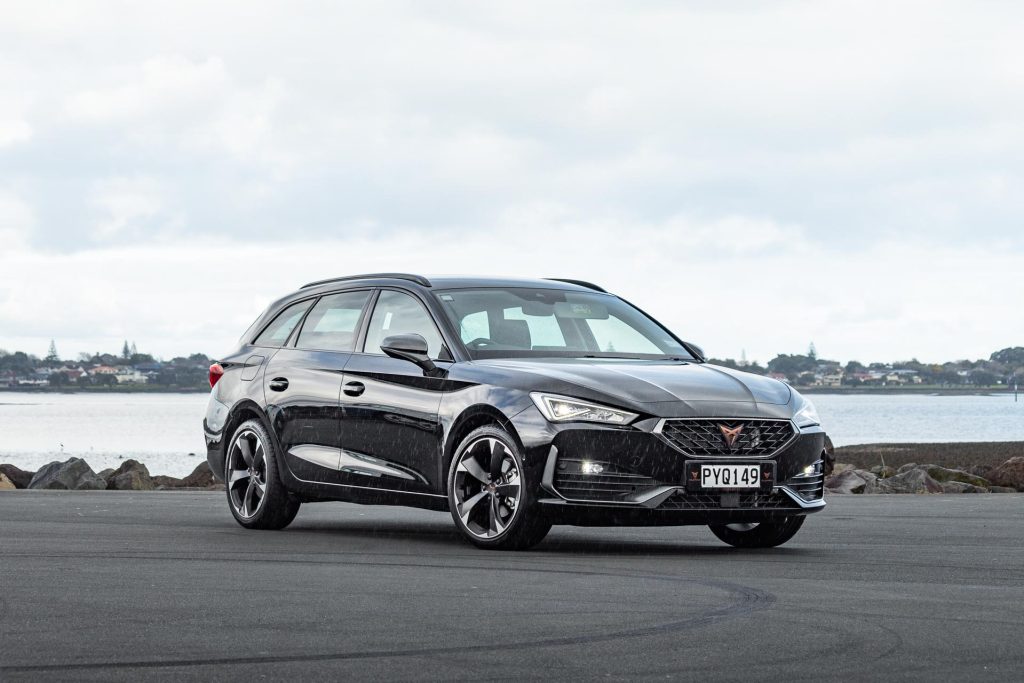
130, 586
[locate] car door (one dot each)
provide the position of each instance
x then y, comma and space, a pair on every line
390, 432
303, 381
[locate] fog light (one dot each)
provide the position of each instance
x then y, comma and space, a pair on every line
813, 469
591, 468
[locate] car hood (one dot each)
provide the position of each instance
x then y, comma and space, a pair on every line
655, 381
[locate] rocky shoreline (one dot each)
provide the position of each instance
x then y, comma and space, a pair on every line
75, 474
847, 477
982, 467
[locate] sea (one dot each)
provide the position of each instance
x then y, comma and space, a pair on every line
164, 430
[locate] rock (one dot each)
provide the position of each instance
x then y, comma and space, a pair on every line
162, 482
1001, 489
107, 474
841, 467
906, 468
883, 471
19, 477
73, 474
961, 487
909, 481
979, 470
1010, 473
201, 478
942, 474
851, 481
132, 475
5, 483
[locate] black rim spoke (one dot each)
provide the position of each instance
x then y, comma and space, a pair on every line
247, 473
497, 456
487, 487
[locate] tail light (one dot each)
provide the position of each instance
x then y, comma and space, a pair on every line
216, 372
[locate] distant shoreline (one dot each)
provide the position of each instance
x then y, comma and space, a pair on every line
867, 391
127, 389
911, 391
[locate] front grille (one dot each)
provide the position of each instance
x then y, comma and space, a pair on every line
706, 438
611, 484
682, 500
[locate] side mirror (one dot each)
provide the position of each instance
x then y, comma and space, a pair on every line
410, 347
695, 351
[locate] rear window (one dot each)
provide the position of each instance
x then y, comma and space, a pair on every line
278, 331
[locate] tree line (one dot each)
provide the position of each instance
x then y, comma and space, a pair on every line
1002, 368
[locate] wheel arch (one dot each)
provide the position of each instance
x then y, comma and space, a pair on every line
471, 418
243, 411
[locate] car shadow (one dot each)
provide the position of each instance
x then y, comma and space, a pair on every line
561, 541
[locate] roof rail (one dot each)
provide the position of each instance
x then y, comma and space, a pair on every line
418, 279
581, 283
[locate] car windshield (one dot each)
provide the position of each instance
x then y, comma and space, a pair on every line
535, 323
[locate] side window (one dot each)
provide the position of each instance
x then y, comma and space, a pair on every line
400, 313
544, 330
331, 325
280, 329
612, 335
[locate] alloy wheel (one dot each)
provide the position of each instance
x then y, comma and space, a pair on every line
247, 473
742, 526
487, 487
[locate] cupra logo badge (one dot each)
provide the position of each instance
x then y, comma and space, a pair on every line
731, 435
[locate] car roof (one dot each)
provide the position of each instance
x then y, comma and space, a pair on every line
472, 282
453, 282
319, 287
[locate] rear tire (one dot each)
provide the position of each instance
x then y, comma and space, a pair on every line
763, 535
256, 497
491, 501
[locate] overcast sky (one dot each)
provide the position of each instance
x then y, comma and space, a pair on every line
757, 175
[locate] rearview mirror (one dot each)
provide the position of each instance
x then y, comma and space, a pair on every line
411, 347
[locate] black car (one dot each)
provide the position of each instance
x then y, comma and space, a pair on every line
515, 404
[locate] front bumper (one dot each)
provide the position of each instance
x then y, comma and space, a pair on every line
643, 479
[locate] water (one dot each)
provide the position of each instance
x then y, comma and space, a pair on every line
161, 430
858, 419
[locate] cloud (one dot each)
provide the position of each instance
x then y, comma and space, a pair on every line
831, 162
125, 206
776, 296
13, 131
16, 220
160, 85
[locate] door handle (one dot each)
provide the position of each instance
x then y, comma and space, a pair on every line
278, 384
354, 388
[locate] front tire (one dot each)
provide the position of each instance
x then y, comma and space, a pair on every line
491, 501
256, 497
763, 535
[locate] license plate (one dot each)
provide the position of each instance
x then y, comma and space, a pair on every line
730, 476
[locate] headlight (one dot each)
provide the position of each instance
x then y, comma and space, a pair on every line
564, 409
807, 416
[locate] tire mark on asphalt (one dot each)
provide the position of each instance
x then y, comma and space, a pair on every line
1013, 573
745, 600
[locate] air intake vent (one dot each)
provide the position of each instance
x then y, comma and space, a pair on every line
594, 480
810, 487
